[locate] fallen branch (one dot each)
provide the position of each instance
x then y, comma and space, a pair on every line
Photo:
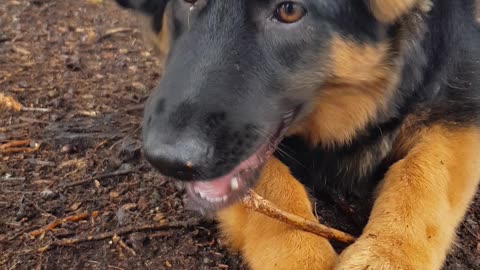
257, 203
119, 232
59, 222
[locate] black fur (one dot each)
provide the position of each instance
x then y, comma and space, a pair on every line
230, 74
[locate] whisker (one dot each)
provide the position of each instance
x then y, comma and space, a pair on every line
268, 135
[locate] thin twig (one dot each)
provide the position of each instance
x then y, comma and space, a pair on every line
13, 147
119, 232
112, 32
100, 177
13, 144
59, 222
35, 109
257, 203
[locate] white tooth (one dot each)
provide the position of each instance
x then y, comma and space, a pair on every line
224, 198
202, 195
234, 184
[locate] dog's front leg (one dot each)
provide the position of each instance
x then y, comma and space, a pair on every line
268, 244
420, 203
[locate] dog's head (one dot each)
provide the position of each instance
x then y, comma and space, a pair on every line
240, 74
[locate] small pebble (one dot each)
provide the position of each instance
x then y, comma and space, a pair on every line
48, 194
67, 149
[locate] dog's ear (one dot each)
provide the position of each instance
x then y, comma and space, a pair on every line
152, 8
388, 11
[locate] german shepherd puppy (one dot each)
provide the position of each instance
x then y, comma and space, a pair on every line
368, 97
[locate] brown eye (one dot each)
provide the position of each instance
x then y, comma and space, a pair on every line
191, 1
289, 12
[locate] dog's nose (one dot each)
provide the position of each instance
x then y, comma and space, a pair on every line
182, 160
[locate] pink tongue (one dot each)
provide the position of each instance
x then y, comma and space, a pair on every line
215, 188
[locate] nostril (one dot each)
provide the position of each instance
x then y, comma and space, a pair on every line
183, 160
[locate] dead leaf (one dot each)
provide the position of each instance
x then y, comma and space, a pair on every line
159, 218
75, 206
95, 2
114, 194
9, 103
78, 163
21, 51
129, 206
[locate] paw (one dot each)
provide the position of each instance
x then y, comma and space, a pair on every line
373, 254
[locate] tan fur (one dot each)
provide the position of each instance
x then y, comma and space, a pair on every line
477, 10
358, 86
268, 244
420, 203
411, 131
159, 41
388, 11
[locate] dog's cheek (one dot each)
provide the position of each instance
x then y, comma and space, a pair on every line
359, 80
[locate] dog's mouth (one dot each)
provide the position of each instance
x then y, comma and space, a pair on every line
215, 194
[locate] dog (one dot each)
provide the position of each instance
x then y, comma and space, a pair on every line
373, 98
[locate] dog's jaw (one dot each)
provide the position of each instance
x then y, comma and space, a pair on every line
220, 192
214, 194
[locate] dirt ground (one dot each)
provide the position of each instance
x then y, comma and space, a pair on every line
85, 64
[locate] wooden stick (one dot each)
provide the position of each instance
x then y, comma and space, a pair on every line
255, 202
